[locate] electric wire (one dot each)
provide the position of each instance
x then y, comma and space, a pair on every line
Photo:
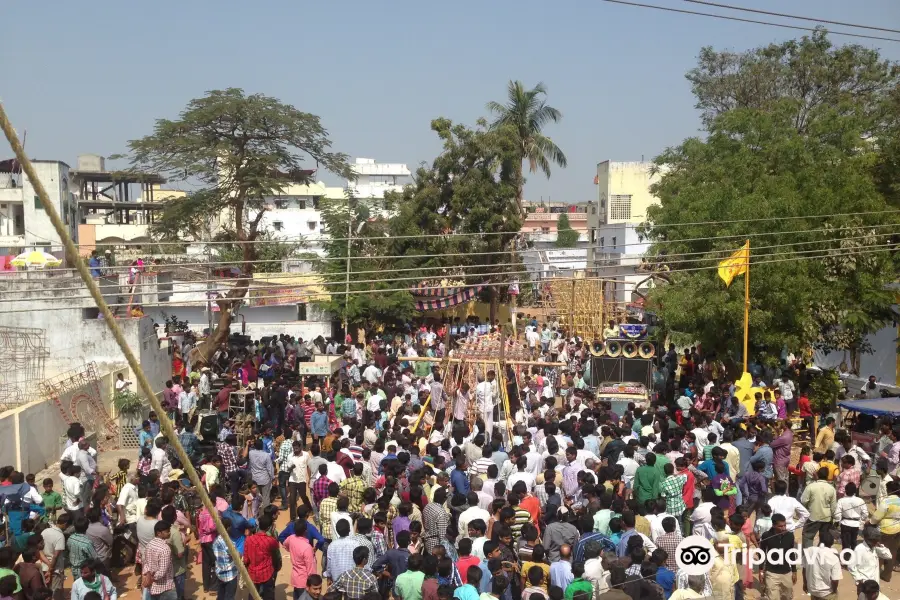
325, 238
266, 278
793, 257
787, 16
744, 20
523, 251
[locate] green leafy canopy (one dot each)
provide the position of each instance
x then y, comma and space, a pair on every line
789, 129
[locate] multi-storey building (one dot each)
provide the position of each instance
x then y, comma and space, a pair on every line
614, 248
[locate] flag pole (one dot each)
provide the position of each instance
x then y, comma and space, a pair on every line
746, 306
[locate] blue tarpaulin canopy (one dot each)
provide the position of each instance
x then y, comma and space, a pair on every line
878, 407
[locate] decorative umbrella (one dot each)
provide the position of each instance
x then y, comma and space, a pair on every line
35, 258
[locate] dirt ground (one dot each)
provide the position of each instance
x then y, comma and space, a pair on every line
127, 583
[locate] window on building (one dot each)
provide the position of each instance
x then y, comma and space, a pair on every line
312, 225
593, 236
602, 242
301, 204
545, 230
593, 210
316, 200
281, 204
614, 243
37, 203
301, 312
620, 206
278, 225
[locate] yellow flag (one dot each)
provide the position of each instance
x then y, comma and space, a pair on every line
735, 265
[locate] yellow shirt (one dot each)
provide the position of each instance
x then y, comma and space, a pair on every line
526, 565
832, 469
642, 525
887, 517
824, 440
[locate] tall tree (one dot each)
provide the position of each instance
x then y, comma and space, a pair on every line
525, 114
241, 149
775, 148
566, 237
813, 76
467, 190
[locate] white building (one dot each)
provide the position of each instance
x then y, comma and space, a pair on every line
24, 223
615, 248
295, 212
374, 179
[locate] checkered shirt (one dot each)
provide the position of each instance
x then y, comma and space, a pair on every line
356, 583
81, 550
353, 487
226, 570
328, 506
226, 452
669, 542
285, 451
436, 521
340, 556
158, 560
671, 489
320, 489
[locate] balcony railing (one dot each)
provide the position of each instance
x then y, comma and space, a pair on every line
545, 216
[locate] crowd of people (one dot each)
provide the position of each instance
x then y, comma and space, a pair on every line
361, 493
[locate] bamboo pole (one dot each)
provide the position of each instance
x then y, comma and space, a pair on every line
487, 361
143, 383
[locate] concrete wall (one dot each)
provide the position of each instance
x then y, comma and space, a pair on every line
74, 340
29, 436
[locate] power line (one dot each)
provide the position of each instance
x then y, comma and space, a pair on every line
743, 20
523, 251
664, 258
325, 238
477, 285
792, 257
787, 16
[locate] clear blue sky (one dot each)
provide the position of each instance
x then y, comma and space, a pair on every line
85, 77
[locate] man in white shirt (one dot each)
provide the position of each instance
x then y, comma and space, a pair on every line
128, 495
71, 490
532, 337
795, 513
121, 383
629, 465
822, 573
372, 374
470, 514
159, 460
484, 396
865, 564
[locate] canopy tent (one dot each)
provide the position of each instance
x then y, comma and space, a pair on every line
879, 407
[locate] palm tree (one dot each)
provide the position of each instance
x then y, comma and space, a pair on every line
526, 112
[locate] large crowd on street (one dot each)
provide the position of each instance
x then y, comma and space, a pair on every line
396, 483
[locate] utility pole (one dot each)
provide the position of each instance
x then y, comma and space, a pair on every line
349, 247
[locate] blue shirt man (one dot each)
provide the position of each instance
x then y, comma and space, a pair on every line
318, 423
239, 527
94, 264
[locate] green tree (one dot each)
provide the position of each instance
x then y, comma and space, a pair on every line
269, 254
370, 302
566, 237
777, 154
240, 149
525, 114
468, 189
